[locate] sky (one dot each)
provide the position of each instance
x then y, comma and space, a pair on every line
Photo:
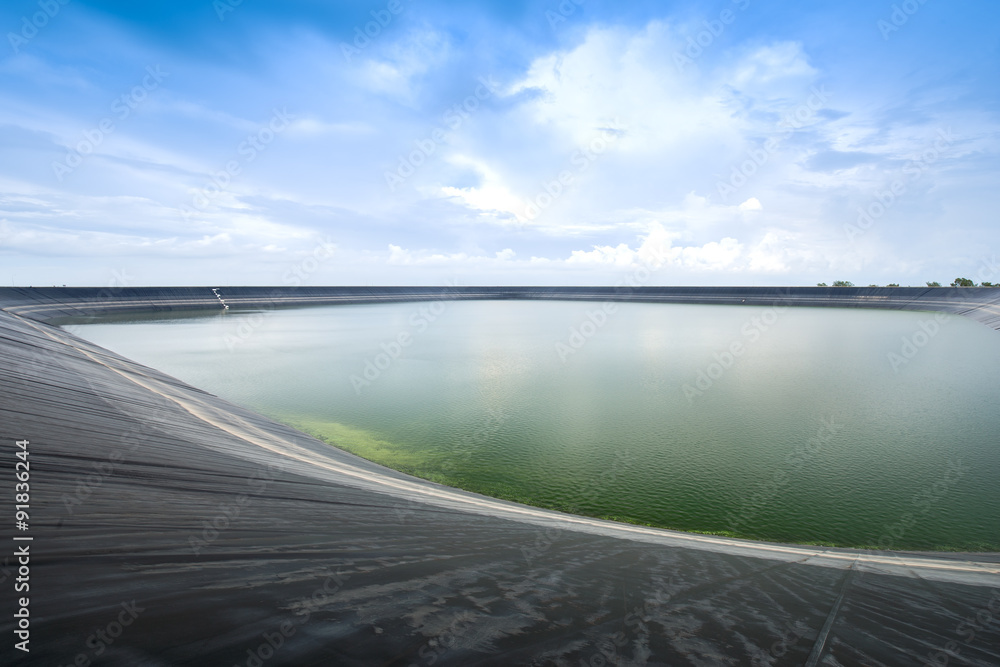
573, 142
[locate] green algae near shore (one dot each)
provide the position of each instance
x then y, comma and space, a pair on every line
439, 469
369, 446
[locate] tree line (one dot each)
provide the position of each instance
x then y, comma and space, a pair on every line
958, 282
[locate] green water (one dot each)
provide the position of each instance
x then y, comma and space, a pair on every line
828, 426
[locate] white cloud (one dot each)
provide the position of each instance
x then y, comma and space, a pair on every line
398, 256
491, 195
657, 250
620, 255
779, 68
78, 225
615, 76
629, 78
651, 196
394, 67
401, 256
675, 130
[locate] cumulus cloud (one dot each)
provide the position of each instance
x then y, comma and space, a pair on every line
490, 196
667, 126
657, 250
774, 69
37, 224
625, 78
394, 68
402, 256
651, 196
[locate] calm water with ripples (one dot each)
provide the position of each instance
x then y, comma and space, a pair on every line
831, 426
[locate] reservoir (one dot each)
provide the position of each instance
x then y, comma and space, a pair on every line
843, 427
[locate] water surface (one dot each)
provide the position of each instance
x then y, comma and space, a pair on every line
826, 426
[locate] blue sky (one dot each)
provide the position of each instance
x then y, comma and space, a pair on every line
725, 142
